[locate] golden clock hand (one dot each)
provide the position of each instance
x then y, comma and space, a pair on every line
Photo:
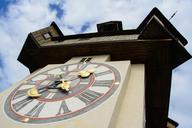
34, 92
86, 73
25, 120
65, 85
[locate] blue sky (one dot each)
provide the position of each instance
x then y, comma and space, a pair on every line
19, 17
57, 8
3, 4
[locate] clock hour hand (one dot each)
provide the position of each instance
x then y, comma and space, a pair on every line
34, 92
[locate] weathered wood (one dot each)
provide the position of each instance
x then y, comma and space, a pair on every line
158, 84
136, 50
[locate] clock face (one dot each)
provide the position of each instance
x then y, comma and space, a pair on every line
85, 93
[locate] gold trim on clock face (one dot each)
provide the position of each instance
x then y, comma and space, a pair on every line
62, 92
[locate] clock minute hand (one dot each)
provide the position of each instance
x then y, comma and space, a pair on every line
64, 85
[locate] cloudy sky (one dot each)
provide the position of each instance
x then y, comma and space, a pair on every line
19, 17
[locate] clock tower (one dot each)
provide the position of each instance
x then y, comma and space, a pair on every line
113, 78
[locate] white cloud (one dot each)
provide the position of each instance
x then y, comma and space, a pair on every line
25, 16
20, 19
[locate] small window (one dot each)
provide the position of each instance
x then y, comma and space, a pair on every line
85, 59
47, 35
88, 59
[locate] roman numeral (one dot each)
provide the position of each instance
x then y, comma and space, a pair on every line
65, 68
103, 73
34, 112
49, 95
103, 83
88, 96
30, 82
81, 66
19, 105
63, 108
20, 93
